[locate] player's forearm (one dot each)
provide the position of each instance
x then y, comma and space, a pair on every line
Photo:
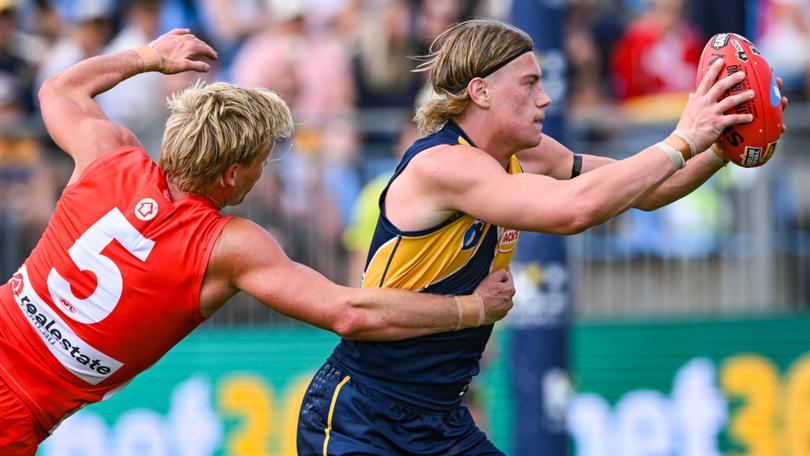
697, 171
613, 188
392, 314
95, 75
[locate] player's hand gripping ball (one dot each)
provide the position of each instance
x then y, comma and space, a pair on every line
754, 143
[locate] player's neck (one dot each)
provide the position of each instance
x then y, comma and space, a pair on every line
481, 133
175, 193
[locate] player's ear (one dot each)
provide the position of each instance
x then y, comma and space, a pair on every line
479, 92
228, 177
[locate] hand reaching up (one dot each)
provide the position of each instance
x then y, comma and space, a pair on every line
179, 50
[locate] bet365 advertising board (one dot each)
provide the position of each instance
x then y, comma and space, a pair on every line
698, 388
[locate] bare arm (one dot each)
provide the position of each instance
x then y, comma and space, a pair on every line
556, 160
247, 258
74, 120
527, 201
433, 185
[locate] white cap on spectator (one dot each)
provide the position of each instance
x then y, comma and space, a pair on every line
87, 10
285, 10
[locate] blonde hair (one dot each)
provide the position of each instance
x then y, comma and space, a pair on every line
469, 49
211, 127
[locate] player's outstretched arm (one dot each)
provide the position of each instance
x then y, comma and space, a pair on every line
541, 203
74, 120
247, 258
554, 159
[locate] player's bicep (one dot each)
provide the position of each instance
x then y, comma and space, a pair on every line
549, 158
521, 201
553, 159
591, 162
262, 269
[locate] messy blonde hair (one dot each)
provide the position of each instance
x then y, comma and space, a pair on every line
469, 49
211, 127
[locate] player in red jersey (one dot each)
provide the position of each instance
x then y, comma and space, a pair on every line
137, 255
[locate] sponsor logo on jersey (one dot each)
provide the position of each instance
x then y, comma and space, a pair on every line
507, 239
720, 41
741, 54
17, 283
472, 235
77, 356
67, 305
146, 209
751, 156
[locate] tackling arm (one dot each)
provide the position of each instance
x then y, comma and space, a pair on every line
247, 258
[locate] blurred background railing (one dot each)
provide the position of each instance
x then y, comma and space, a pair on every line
738, 245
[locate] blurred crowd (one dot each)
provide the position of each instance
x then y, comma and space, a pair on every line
345, 68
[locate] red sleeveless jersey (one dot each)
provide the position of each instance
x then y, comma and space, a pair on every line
113, 284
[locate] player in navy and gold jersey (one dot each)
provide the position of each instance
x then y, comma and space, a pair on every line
452, 213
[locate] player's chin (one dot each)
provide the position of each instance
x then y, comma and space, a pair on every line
238, 200
537, 134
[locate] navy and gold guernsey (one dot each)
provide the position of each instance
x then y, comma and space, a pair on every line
430, 372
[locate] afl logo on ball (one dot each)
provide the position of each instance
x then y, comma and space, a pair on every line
146, 209
741, 54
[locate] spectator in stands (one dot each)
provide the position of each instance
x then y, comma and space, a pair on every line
230, 22
658, 53
135, 102
382, 65
784, 38
287, 57
16, 67
585, 61
720, 16
360, 229
435, 16
27, 197
91, 27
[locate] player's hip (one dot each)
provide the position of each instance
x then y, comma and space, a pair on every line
341, 415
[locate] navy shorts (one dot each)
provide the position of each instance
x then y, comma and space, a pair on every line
340, 416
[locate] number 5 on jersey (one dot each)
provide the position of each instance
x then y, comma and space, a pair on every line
86, 254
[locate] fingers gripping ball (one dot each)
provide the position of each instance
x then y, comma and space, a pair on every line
754, 143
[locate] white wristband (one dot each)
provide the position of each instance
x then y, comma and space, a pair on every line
687, 138
677, 159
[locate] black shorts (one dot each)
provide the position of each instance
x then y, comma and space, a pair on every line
340, 416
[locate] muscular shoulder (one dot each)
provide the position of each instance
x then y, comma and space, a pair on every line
242, 243
446, 167
243, 247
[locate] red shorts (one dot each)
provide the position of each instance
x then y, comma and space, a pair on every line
19, 431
